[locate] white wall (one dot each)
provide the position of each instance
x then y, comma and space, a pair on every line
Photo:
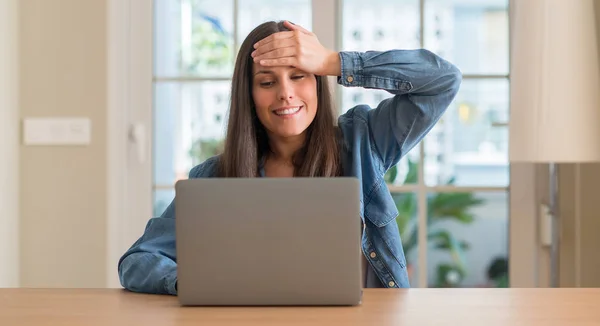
9, 154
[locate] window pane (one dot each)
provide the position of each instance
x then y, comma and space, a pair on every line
406, 171
466, 148
408, 225
193, 38
252, 13
162, 199
468, 239
189, 122
374, 25
471, 34
353, 96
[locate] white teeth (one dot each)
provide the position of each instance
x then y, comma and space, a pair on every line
288, 111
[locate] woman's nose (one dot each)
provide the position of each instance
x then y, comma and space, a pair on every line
286, 92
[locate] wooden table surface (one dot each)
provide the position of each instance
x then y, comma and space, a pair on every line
456, 307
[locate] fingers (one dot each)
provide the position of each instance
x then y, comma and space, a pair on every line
268, 47
287, 61
295, 27
283, 35
277, 53
273, 37
280, 49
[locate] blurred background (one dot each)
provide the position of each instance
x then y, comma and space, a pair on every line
195, 48
134, 93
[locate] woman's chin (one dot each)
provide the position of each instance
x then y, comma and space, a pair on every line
290, 132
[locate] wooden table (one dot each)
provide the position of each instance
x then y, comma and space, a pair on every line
456, 307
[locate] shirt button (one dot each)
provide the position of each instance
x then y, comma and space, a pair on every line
350, 79
391, 283
373, 254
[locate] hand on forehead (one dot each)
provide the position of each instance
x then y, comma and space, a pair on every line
297, 47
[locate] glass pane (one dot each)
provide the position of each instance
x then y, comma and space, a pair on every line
408, 225
380, 32
471, 34
468, 147
353, 96
373, 25
193, 38
189, 125
252, 13
162, 199
468, 239
406, 171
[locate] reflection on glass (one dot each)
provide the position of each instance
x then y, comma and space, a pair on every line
468, 239
469, 145
189, 124
471, 34
193, 38
406, 202
251, 13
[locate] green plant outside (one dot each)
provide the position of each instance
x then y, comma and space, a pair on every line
440, 207
211, 47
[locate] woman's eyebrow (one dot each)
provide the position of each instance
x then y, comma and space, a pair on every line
264, 72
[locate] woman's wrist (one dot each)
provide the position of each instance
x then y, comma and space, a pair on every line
333, 65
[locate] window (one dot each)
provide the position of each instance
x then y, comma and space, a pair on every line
195, 48
451, 190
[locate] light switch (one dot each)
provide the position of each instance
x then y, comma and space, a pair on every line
57, 131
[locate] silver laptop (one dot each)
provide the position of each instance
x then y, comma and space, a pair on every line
268, 241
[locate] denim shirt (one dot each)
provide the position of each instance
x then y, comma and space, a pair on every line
374, 139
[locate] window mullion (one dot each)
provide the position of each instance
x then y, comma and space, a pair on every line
422, 188
325, 14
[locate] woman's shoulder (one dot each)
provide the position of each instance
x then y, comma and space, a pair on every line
206, 169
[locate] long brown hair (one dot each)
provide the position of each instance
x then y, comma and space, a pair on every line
246, 141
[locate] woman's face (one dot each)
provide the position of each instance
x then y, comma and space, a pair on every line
285, 99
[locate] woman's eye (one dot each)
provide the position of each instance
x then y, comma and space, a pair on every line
298, 77
267, 84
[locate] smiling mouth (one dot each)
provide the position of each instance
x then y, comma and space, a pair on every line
288, 111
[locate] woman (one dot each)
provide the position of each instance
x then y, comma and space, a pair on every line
281, 124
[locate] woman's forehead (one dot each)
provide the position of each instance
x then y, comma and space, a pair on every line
258, 69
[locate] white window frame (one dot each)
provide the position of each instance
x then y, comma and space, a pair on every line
130, 160
129, 181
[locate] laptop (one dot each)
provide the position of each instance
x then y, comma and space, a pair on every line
268, 241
